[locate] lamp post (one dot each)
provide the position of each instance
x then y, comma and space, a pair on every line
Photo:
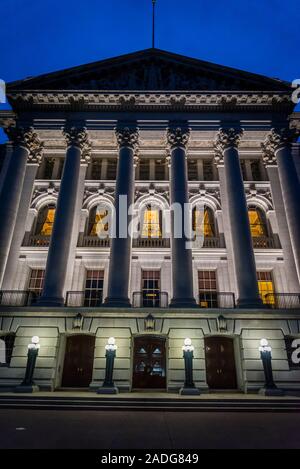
188, 355
270, 388
108, 386
27, 385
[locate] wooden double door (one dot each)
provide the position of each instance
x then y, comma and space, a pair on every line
220, 363
149, 363
79, 360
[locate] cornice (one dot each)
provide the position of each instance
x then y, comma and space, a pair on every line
164, 101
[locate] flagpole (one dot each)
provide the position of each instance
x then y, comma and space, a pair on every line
153, 23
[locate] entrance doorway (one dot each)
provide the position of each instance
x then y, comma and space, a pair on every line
220, 363
79, 360
149, 363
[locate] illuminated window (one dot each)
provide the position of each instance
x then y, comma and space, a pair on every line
98, 224
257, 223
151, 288
266, 287
151, 223
45, 221
36, 282
6, 349
207, 281
93, 288
203, 222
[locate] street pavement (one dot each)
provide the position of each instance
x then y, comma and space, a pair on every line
124, 429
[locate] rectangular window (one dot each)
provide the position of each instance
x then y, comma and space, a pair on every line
96, 169
111, 169
243, 168
151, 288
6, 349
48, 169
208, 173
208, 297
292, 357
93, 288
266, 288
192, 170
255, 170
144, 169
36, 283
159, 170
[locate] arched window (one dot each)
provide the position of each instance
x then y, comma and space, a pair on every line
258, 224
98, 222
151, 222
45, 221
204, 222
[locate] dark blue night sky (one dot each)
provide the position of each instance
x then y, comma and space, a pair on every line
39, 36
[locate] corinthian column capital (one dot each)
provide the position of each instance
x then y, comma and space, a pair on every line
278, 138
178, 136
127, 137
27, 138
227, 138
78, 137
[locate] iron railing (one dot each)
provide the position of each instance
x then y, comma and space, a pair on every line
15, 297
151, 243
88, 298
93, 242
150, 299
213, 299
38, 240
282, 300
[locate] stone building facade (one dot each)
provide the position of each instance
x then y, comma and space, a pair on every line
160, 129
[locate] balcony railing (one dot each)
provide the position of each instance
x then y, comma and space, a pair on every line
151, 243
212, 299
88, 299
150, 299
15, 298
282, 300
93, 242
266, 242
38, 240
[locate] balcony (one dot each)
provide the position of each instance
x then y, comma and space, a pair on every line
15, 298
213, 299
88, 299
282, 300
151, 243
266, 242
93, 242
37, 241
150, 299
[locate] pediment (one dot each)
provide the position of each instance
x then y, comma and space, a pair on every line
151, 70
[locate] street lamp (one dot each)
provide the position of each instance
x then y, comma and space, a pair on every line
27, 385
108, 386
270, 388
188, 355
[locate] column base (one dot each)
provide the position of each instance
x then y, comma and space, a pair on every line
271, 392
183, 303
252, 303
26, 389
50, 301
189, 391
108, 390
116, 303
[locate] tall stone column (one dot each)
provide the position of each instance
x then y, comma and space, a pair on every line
78, 151
120, 251
226, 147
277, 148
18, 234
27, 150
182, 269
